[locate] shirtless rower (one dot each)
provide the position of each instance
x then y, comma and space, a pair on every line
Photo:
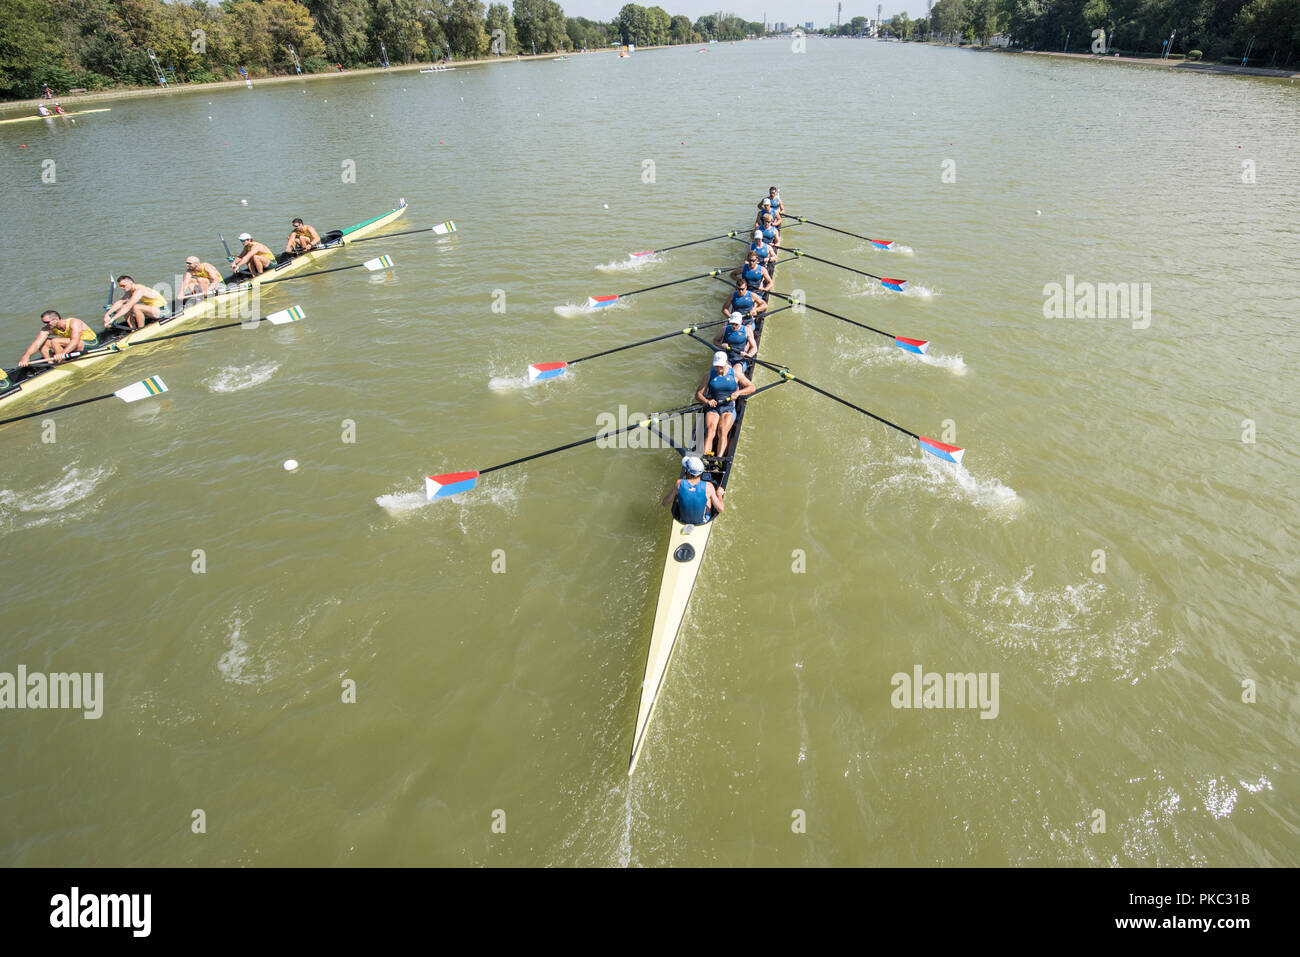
59, 338
199, 278
255, 256
138, 303
302, 238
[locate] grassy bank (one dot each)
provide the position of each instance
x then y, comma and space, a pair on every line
1197, 66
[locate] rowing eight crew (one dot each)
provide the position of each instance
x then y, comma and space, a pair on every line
695, 498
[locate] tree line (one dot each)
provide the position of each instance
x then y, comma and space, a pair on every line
1262, 32
98, 44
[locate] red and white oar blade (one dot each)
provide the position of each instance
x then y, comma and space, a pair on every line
445, 486
541, 371
885, 244
917, 346
649, 252
151, 386
949, 453
600, 302
292, 314
898, 285
382, 262
442, 229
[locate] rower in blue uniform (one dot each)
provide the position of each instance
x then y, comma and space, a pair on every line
771, 235
772, 203
737, 337
766, 254
695, 500
755, 274
721, 387
743, 301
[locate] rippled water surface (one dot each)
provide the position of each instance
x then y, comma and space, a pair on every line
497, 640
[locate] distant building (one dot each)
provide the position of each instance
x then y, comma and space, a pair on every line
778, 28
808, 25
998, 40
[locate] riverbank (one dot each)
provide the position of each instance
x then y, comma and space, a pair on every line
72, 101
1197, 66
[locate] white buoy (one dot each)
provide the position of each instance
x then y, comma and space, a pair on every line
607, 205
243, 202
1038, 212
290, 464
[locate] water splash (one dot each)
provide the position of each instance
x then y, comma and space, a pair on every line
55, 501
631, 265
238, 378
235, 662
571, 311
399, 504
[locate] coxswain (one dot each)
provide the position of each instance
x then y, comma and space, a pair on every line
737, 337
199, 278
302, 238
721, 387
697, 499
755, 275
743, 301
255, 256
138, 303
60, 338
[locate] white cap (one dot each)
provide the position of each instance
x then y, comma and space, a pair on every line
693, 465
737, 319
719, 358
766, 201
758, 234
244, 237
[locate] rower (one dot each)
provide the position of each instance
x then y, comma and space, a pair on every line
42, 110
199, 278
771, 235
738, 339
138, 303
744, 302
721, 387
773, 201
62, 337
302, 238
766, 253
695, 499
754, 274
255, 256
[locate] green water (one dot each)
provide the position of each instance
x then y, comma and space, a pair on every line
480, 692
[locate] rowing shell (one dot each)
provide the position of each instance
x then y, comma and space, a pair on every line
682, 562
22, 383
55, 116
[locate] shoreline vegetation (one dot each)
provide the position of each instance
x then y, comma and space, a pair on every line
1194, 66
58, 48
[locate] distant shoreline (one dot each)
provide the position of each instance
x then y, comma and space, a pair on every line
22, 107
1196, 66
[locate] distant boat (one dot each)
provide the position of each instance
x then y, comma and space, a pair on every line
55, 116
438, 68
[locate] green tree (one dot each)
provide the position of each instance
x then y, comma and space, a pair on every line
464, 29
498, 18
343, 26
679, 29
30, 40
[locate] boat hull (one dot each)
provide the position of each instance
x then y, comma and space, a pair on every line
219, 303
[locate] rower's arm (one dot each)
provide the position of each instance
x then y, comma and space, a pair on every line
672, 494
36, 344
699, 393
746, 386
715, 497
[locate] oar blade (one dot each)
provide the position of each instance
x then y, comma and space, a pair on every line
445, 486
648, 252
382, 262
916, 346
442, 229
949, 453
898, 285
151, 386
600, 302
885, 244
541, 371
292, 314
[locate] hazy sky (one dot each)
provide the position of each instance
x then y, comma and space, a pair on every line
821, 13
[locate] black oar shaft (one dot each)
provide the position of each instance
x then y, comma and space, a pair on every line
56, 408
589, 441
319, 272
646, 342
834, 229
405, 232
664, 285
696, 242
800, 253
836, 315
785, 373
